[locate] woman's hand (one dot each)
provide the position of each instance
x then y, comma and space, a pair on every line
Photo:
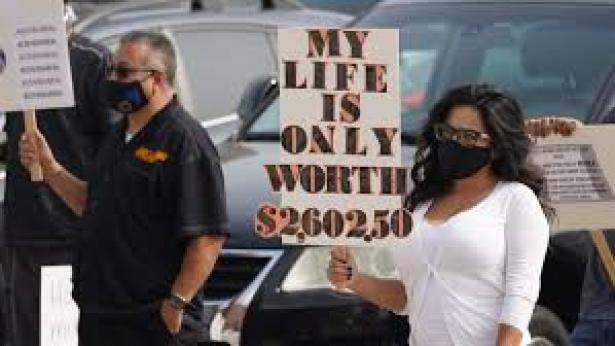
342, 270
388, 294
545, 127
508, 336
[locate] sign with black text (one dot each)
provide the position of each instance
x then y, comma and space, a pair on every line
580, 173
340, 176
34, 63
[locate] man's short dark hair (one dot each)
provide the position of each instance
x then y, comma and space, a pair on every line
160, 45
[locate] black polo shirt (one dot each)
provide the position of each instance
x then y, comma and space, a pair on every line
146, 198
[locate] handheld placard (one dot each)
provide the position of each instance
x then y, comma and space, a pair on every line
34, 61
340, 173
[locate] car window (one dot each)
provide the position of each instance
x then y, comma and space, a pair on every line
219, 64
552, 58
268, 123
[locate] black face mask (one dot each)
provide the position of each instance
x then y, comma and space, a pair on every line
124, 97
458, 162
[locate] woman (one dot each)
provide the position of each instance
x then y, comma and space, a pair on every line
470, 271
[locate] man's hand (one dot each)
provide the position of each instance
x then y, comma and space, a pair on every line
171, 317
33, 148
545, 127
73, 191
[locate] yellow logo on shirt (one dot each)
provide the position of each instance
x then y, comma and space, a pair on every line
151, 156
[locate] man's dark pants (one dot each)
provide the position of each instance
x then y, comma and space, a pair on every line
143, 327
593, 333
3, 300
123, 329
22, 269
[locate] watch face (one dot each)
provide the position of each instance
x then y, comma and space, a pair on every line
177, 302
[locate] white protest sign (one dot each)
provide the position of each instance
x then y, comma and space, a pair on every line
59, 313
34, 62
340, 174
580, 173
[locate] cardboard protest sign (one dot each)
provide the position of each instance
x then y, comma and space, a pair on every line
59, 313
340, 175
580, 173
34, 62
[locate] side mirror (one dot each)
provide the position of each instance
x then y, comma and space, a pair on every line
253, 96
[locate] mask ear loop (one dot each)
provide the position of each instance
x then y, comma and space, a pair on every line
150, 75
153, 86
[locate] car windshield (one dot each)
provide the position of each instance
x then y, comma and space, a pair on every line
551, 57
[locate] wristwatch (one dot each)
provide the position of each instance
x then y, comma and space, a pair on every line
177, 302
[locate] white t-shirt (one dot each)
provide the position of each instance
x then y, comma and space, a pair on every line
476, 270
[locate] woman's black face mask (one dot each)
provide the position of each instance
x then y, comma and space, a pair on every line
457, 161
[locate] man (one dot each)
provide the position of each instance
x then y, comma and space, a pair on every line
596, 324
39, 228
153, 207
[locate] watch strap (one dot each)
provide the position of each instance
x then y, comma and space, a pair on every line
177, 302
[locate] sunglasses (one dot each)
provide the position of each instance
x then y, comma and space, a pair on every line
123, 72
466, 137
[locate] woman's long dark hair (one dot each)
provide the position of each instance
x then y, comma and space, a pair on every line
511, 145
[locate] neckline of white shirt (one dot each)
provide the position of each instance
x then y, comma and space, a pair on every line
476, 206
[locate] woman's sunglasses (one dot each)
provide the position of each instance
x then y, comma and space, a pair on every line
466, 137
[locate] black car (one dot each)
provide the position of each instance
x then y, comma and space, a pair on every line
218, 52
552, 55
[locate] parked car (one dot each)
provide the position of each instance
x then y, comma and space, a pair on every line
91, 12
95, 12
218, 52
552, 55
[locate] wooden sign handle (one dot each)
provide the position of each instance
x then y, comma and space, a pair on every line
36, 171
605, 253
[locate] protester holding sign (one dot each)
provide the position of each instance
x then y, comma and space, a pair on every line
39, 227
153, 207
470, 271
596, 325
